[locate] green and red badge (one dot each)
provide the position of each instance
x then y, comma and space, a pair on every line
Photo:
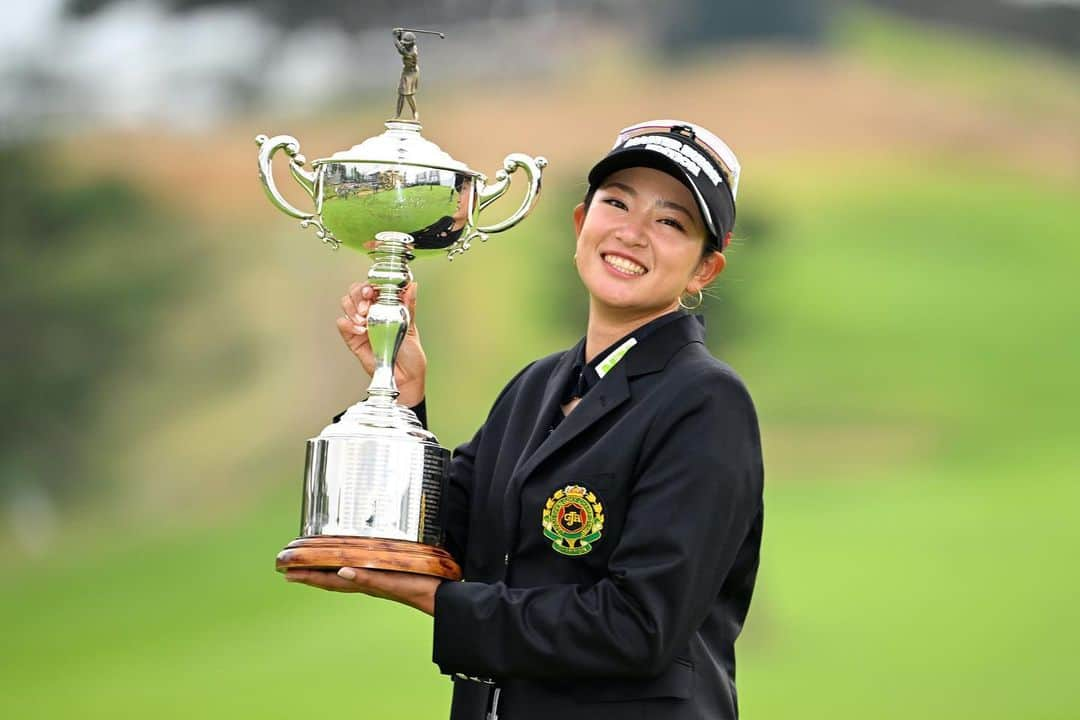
572, 521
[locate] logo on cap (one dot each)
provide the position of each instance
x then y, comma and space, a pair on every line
704, 140
682, 153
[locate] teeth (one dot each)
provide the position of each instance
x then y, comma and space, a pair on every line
628, 266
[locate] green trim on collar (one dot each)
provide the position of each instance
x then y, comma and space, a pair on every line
616, 355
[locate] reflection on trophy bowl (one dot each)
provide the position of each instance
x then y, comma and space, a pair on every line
362, 199
397, 182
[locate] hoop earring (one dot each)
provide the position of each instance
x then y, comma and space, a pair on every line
695, 306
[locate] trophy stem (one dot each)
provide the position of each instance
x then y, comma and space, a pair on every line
388, 319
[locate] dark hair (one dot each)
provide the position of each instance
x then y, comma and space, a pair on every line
710, 240
588, 198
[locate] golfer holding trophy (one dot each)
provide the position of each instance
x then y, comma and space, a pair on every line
608, 512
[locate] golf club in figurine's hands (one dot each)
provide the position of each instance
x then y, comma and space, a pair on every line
373, 481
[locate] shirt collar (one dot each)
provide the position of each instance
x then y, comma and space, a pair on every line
584, 376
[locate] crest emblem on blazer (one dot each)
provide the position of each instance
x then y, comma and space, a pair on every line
572, 521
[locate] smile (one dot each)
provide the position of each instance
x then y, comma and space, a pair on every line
623, 265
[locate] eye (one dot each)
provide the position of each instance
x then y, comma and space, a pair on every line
615, 202
672, 222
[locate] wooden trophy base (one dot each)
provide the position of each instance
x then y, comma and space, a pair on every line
331, 552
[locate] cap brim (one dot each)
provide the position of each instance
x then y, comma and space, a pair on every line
706, 195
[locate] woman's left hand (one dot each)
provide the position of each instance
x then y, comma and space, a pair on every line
416, 591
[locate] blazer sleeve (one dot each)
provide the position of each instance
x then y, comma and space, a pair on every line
694, 503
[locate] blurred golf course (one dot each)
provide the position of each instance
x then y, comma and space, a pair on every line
901, 300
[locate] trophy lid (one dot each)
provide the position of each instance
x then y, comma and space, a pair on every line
400, 144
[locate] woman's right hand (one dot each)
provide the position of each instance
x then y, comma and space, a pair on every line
410, 369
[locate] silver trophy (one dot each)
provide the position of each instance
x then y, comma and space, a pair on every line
373, 481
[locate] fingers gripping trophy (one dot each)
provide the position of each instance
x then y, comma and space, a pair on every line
373, 482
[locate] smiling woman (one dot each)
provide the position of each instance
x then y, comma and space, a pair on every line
641, 243
608, 514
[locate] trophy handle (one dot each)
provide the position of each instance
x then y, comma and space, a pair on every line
534, 168
305, 178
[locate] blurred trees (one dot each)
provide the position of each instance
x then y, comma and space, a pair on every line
353, 16
85, 271
694, 24
1053, 24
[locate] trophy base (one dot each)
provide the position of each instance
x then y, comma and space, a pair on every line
330, 552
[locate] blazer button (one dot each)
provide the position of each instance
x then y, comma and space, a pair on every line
506, 559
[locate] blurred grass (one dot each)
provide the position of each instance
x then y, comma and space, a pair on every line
199, 625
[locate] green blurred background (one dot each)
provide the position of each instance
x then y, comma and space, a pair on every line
900, 299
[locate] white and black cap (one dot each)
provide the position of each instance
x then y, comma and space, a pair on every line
696, 157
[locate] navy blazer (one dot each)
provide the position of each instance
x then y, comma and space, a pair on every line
644, 623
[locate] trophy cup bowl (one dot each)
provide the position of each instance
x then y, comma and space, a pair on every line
373, 481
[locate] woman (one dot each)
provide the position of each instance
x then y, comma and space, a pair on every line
608, 513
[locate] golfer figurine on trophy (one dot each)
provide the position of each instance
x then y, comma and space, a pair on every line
373, 481
405, 41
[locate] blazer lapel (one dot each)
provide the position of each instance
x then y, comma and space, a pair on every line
611, 392
558, 379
